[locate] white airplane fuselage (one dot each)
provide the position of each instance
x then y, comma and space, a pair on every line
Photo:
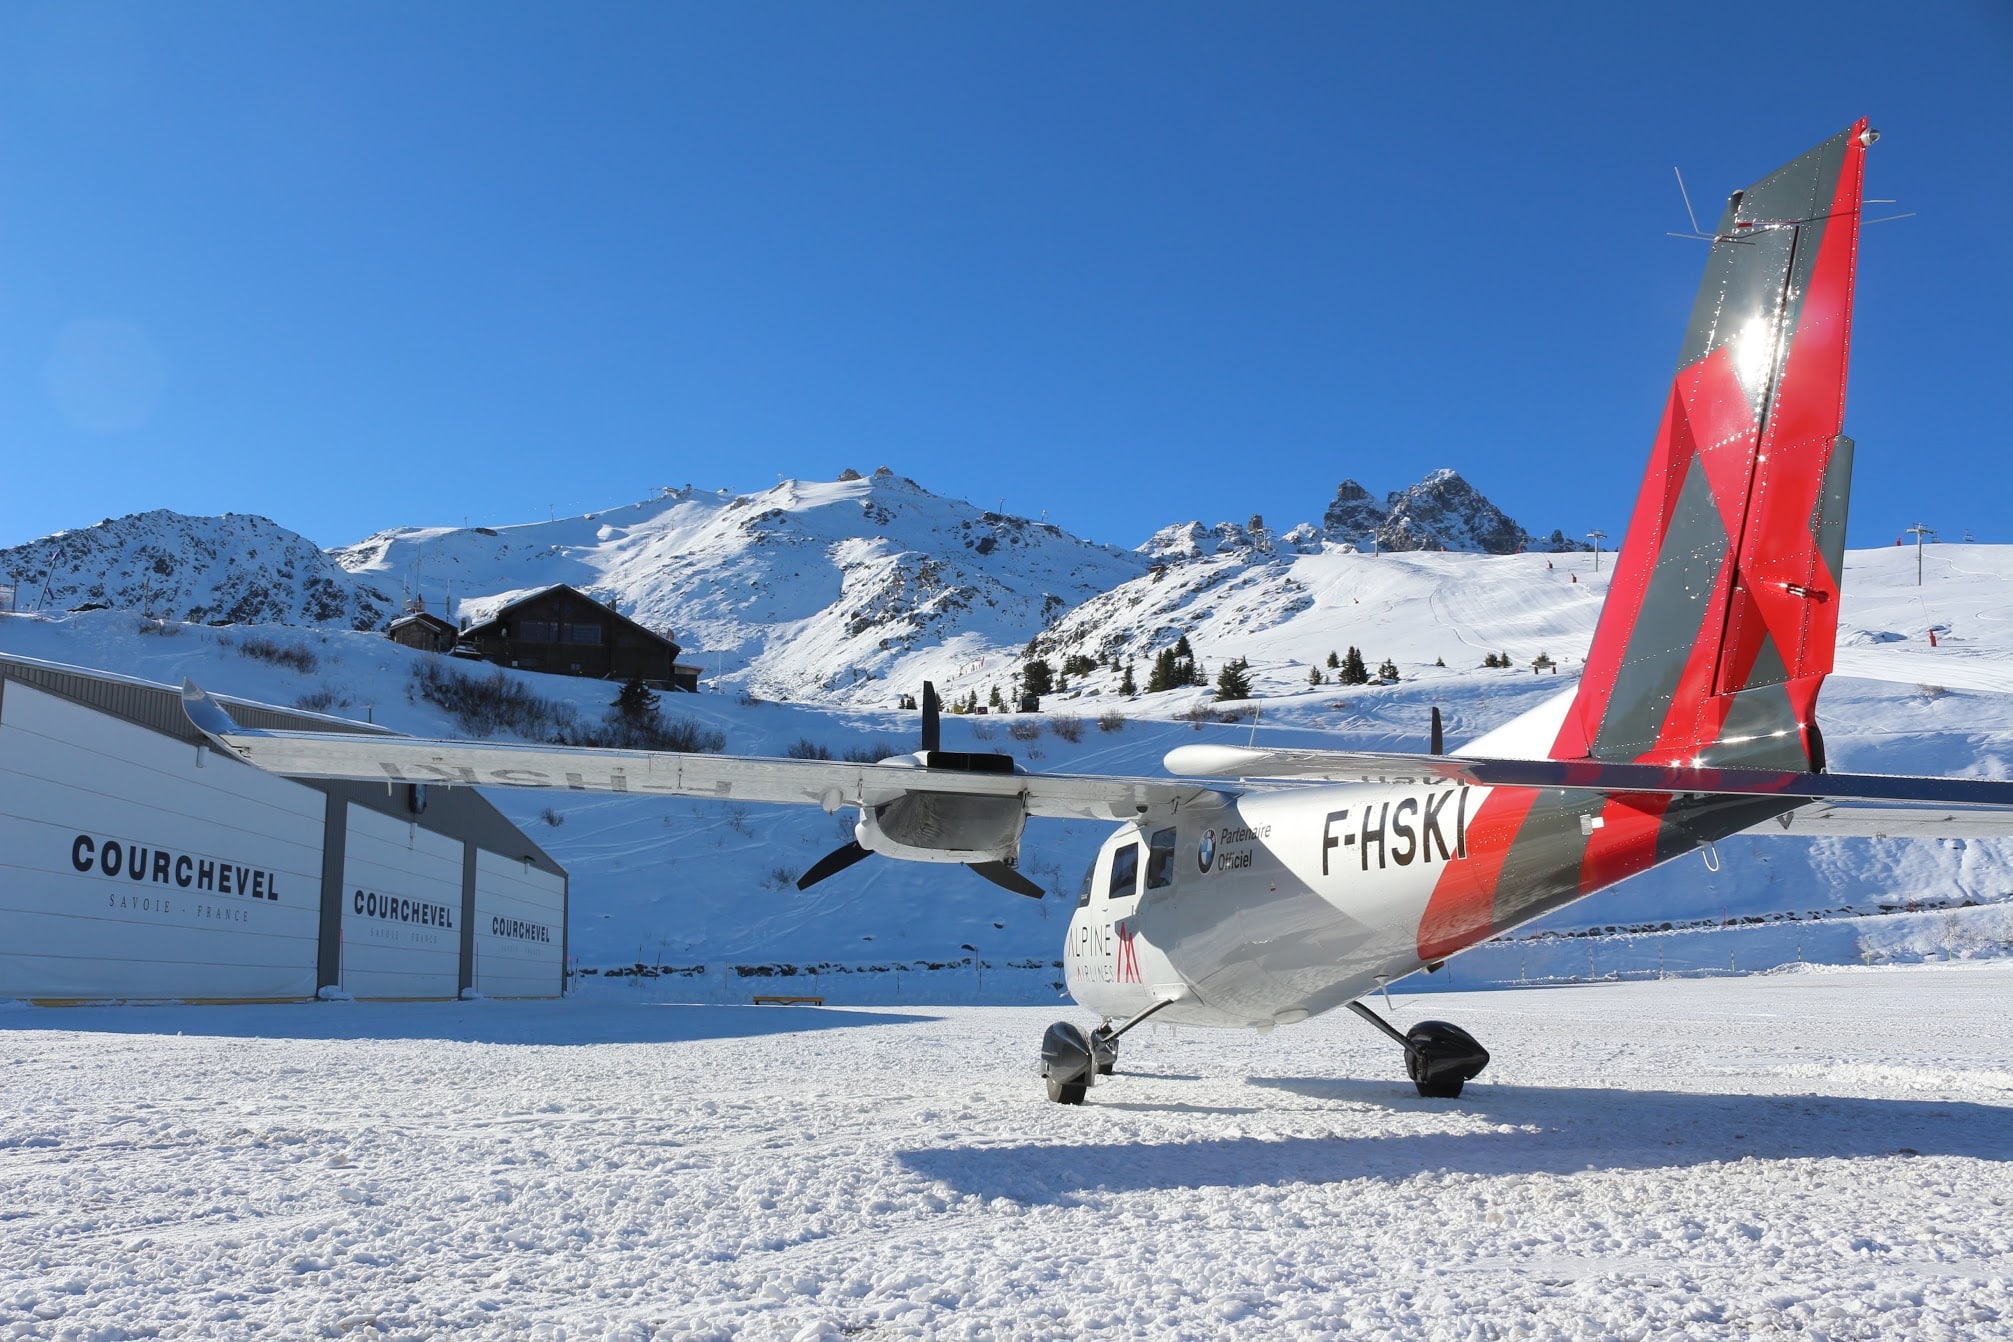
1268, 909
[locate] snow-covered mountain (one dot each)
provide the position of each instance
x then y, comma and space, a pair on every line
846, 591
235, 569
1441, 512
809, 590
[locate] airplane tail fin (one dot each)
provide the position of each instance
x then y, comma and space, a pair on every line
1722, 615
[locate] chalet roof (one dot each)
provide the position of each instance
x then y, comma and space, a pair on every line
425, 617
496, 614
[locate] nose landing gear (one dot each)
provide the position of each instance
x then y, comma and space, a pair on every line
1072, 1061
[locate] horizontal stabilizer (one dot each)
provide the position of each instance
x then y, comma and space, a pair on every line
1826, 820
1347, 766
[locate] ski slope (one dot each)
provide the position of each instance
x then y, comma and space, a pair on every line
1822, 1155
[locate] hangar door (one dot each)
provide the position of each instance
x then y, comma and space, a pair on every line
401, 908
520, 928
135, 865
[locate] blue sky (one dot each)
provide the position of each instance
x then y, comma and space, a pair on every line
362, 265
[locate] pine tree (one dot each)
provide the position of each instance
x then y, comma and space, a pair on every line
1234, 680
1126, 685
637, 701
1314, 675
1182, 652
1037, 677
1440, 661
1165, 674
1353, 671
1388, 672
993, 698
1333, 661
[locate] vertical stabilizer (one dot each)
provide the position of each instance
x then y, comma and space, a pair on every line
1723, 612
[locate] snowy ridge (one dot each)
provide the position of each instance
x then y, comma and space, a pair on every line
809, 590
842, 592
235, 569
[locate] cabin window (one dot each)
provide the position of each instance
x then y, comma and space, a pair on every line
536, 631
1124, 872
583, 633
1160, 860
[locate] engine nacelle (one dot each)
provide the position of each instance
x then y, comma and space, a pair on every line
944, 827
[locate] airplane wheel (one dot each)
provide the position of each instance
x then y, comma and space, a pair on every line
1067, 1062
1442, 1059
1443, 1089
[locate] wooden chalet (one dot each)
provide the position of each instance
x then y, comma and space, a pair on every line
566, 632
420, 628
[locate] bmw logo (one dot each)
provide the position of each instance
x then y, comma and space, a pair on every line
1206, 853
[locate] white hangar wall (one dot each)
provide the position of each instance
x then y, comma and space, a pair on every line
401, 908
520, 928
136, 863
133, 866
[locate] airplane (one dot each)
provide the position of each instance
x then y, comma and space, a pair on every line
1255, 887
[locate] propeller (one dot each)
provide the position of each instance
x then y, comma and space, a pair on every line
933, 757
933, 728
832, 863
1000, 874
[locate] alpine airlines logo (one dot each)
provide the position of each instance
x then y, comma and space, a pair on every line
1205, 853
1128, 955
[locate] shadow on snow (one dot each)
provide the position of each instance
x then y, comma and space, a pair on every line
1548, 1130
547, 1022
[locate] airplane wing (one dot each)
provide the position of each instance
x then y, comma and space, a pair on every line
827, 783
1991, 797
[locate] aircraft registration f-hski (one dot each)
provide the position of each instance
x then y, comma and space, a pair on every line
1257, 887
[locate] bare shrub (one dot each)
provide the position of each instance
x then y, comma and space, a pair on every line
652, 731
1068, 726
779, 878
323, 700
158, 627
1931, 692
294, 656
984, 730
873, 752
486, 705
1197, 714
1025, 729
1111, 720
552, 817
804, 748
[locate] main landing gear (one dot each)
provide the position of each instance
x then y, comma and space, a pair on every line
1440, 1058
1071, 1061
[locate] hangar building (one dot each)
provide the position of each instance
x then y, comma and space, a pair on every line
137, 863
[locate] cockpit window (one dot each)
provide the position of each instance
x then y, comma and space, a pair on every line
1124, 872
1160, 860
1083, 891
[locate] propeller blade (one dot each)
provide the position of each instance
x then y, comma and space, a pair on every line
832, 863
932, 727
1439, 745
999, 873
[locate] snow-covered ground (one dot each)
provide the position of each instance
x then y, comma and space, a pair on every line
1825, 1154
